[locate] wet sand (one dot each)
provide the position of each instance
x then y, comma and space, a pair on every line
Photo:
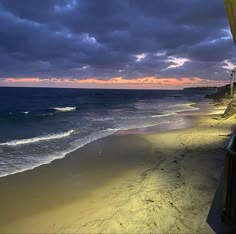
139, 183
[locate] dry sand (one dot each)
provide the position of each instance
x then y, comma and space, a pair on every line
135, 183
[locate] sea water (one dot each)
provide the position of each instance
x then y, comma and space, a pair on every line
38, 125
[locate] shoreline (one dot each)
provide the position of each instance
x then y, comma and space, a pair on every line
122, 183
188, 118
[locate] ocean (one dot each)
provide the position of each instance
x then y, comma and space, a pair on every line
38, 125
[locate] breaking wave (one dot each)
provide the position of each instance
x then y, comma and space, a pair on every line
37, 139
64, 109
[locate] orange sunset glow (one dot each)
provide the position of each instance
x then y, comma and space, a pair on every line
115, 82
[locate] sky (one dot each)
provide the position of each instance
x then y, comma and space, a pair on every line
140, 44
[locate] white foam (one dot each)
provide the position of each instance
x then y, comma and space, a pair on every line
103, 119
85, 140
184, 107
163, 115
37, 139
65, 109
76, 145
188, 105
59, 155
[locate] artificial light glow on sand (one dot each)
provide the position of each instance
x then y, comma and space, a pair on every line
147, 185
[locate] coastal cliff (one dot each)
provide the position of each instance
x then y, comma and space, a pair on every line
222, 97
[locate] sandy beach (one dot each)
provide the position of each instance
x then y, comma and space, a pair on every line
135, 182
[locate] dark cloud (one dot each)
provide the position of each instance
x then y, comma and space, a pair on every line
89, 38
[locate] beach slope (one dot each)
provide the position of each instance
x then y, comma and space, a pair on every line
139, 183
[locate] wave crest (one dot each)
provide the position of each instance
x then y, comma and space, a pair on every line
37, 139
64, 109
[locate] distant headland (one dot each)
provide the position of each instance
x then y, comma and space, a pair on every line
201, 88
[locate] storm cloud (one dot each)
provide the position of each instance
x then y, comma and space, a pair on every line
114, 38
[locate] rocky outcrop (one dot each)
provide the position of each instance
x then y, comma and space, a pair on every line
222, 97
223, 92
231, 109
